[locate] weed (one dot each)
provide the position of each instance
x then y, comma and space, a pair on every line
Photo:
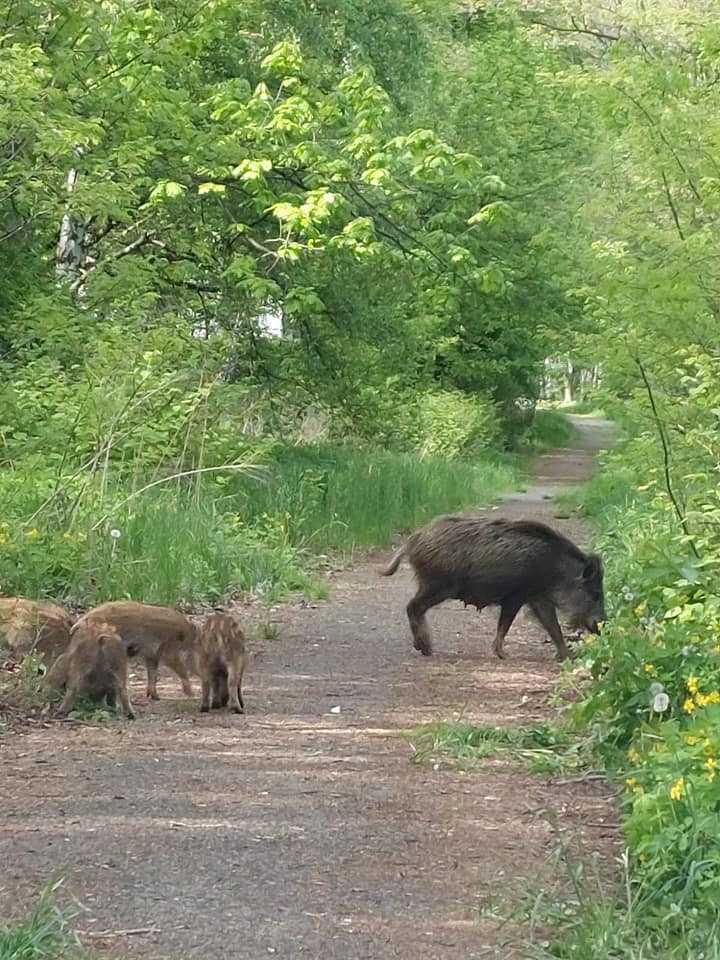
42, 935
268, 630
546, 749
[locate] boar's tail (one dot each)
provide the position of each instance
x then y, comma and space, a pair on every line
394, 563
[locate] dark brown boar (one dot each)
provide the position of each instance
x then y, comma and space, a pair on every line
94, 666
505, 562
220, 660
157, 634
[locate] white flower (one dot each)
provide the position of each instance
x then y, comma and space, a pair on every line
656, 688
115, 533
661, 703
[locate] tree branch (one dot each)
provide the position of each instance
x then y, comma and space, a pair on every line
666, 455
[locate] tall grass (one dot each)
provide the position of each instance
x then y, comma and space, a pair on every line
548, 429
336, 498
43, 935
200, 539
598, 924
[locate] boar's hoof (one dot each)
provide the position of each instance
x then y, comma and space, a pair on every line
204, 708
237, 710
424, 647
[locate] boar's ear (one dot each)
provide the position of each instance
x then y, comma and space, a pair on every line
593, 567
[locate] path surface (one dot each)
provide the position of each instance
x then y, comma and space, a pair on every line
297, 831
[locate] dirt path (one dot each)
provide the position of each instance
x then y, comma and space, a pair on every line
298, 830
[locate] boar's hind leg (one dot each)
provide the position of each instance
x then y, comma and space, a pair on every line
151, 665
122, 695
220, 693
545, 613
206, 682
427, 596
68, 702
233, 682
508, 611
176, 663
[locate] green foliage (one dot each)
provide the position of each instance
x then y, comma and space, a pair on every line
194, 539
43, 935
546, 748
549, 429
654, 704
593, 922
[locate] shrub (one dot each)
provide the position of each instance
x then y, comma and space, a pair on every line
654, 704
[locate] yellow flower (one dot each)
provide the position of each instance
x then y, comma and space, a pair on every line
32, 534
703, 699
692, 684
689, 705
3, 538
67, 536
633, 755
691, 741
631, 782
640, 609
677, 789
711, 763
649, 668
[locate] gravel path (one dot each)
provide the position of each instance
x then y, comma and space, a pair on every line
301, 830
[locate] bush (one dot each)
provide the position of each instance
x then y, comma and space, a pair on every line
654, 705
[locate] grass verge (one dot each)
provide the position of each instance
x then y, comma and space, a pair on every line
653, 711
196, 540
544, 748
42, 935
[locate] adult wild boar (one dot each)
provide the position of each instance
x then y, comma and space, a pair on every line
157, 634
508, 563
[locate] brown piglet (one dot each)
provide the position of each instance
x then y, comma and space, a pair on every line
94, 666
157, 634
220, 661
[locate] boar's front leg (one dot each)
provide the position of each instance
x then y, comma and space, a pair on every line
545, 613
508, 611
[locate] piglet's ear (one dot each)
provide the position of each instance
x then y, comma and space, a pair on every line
593, 567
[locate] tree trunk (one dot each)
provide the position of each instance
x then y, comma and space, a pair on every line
70, 253
568, 377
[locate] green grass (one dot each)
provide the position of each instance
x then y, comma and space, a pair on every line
337, 498
546, 749
549, 429
588, 408
42, 935
596, 924
265, 533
